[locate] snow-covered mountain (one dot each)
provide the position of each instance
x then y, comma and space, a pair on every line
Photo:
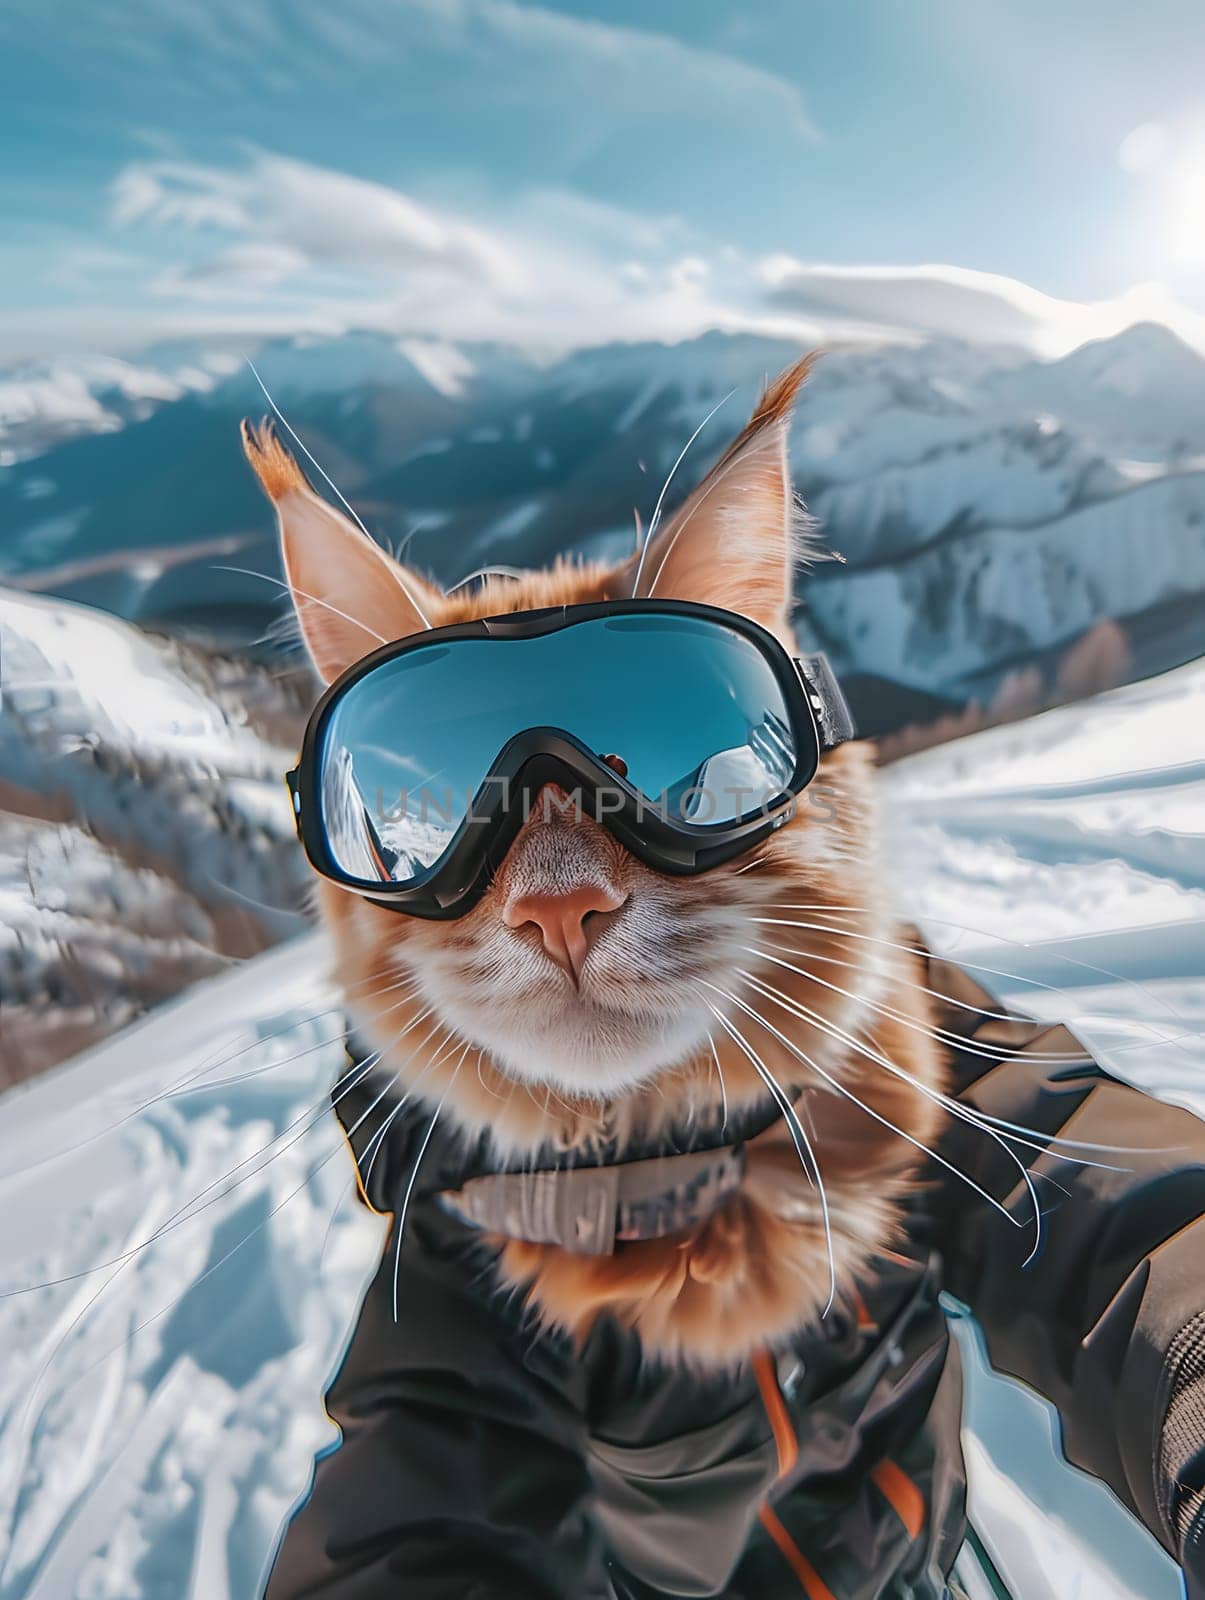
190, 1251
145, 834
989, 507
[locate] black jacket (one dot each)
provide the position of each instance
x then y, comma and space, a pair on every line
483, 1459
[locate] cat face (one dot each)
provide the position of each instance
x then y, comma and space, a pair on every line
582, 975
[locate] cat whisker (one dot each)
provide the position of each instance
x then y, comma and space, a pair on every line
311, 1174
314, 1112
399, 1221
802, 1143
486, 572
655, 519
1017, 1129
952, 1040
250, 900
561, 1101
376, 1143
874, 1052
259, 1072
330, 1222
956, 1038
179, 1086
550, 1095
1015, 977
275, 1066
351, 511
936, 994
481, 1079
291, 588
877, 1116
187, 1082
940, 1035
407, 540
963, 1113
350, 1079
715, 479
715, 1056
355, 991
185, 1213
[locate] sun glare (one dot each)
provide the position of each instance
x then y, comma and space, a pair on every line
1186, 206
1170, 162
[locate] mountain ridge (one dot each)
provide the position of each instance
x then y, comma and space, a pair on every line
919, 461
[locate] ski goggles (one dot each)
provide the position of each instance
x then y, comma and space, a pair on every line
685, 730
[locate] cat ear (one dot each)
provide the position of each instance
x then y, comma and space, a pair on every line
350, 597
731, 543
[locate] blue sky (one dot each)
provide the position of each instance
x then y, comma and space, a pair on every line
482, 168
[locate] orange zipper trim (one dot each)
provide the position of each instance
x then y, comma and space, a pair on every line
903, 1496
812, 1584
787, 1445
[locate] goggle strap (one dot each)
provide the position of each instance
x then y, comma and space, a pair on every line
834, 719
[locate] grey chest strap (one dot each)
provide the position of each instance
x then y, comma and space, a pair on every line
589, 1210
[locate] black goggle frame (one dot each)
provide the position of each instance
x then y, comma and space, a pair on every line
538, 756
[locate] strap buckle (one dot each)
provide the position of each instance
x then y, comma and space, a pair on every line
834, 720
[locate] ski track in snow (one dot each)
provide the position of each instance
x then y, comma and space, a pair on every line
159, 1416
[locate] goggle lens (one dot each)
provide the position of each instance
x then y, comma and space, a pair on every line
691, 708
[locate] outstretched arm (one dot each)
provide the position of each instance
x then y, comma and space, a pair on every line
1108, 1321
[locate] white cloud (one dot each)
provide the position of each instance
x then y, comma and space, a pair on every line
609, 60
317, 249
487, 49
269, 246
243, 269
961, 303
927, 299
557, 213
299, 214
689, 273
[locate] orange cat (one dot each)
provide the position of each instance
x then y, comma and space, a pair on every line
676, 990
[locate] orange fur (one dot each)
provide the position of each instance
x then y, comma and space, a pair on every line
774, 406
757, 1268
272, 464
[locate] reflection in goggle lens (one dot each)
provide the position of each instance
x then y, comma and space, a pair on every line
693, 707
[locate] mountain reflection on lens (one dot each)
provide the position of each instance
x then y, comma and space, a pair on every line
446, 734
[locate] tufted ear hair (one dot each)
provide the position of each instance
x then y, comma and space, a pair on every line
350, 596
732, 542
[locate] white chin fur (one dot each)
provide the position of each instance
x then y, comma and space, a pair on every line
588, 1052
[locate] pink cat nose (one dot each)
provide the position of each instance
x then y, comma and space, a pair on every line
568, 923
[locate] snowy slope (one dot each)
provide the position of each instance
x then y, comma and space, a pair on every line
1067, 854
153, 1427
158, 1416
145, 834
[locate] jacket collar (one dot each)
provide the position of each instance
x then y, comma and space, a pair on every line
586, 1200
